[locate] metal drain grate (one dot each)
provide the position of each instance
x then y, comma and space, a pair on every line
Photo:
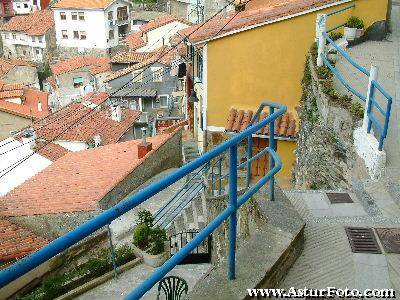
390, 239
362, 240
337, 198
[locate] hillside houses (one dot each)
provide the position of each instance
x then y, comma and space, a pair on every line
18, 71
91, 27
29, 37
156, 33
20, 106
75, 77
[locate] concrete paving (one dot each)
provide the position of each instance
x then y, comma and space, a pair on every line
386, 56
327, 258
126, 282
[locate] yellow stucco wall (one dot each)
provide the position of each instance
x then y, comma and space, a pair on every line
267, 63
286, 153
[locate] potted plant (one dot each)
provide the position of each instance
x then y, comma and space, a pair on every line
148, 242
354, 28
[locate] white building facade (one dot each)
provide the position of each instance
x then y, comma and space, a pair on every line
24, 7
89, 27
21, 45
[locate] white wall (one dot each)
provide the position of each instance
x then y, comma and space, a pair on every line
27, 169
96, 25
72, 146
12, 39
154, 37
22, 7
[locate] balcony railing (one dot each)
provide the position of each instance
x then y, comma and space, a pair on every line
105, 218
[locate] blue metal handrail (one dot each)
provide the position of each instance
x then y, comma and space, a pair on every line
369, 98
81, 232
371, 119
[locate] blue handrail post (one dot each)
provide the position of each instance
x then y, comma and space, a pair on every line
271, 160
249, 155
387, 118
220, 177
233, 155
114, 262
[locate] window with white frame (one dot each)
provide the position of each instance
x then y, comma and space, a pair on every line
76, 34
157, 74
63, 15
137, 75
163, 100
82, 35
81, 16
14, 36
25, 5
74, 16
33, 39
6, 36
40, 38
37, 51
64, 34
110, 16
111, 35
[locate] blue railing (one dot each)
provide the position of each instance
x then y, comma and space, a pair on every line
385, 113
81, 232
373, 84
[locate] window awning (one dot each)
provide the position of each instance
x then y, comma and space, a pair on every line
78, 80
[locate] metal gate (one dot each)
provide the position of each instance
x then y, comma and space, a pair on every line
201, 254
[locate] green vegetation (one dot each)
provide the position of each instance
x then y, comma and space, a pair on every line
355, 22
147, 238
335, 36
58, 285
44, 74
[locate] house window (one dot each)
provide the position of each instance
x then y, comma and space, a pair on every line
78, 82
64, 34
18, 6
137, 76
111, 34
81, 16
34, 2
6, 36
24, 52
157, 74
163, 100
122, 13
14, 36
40, 38
74, 16
110, 15
76, 35
63, 16
33, 39
37, 52
83, 35
25, 5
199, 67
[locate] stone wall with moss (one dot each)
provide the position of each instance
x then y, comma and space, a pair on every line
325, 157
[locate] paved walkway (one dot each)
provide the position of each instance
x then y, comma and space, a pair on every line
126, 282
327, 259
386, 56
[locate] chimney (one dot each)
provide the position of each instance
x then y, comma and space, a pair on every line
39, 106
116, 113
97, 140
29, 137
144, 147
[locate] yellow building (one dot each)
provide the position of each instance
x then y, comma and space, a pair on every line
259, 56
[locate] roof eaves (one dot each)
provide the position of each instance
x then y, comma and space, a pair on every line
290, 16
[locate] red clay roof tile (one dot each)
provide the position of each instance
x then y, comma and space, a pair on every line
238, 121
77, 122
161, 22
272, 10
36, 23
50, 151
77, 181
17, 241
6, 65
95, 65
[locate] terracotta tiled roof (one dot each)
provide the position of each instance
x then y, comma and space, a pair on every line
272, 10
29, 107
36, 23
7, 64
77, 122
285, 125
50, 151
76, 181
17, 241
94, 4
135, 40
161, 22
95, 65
131, 57
163, 55
96, 98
